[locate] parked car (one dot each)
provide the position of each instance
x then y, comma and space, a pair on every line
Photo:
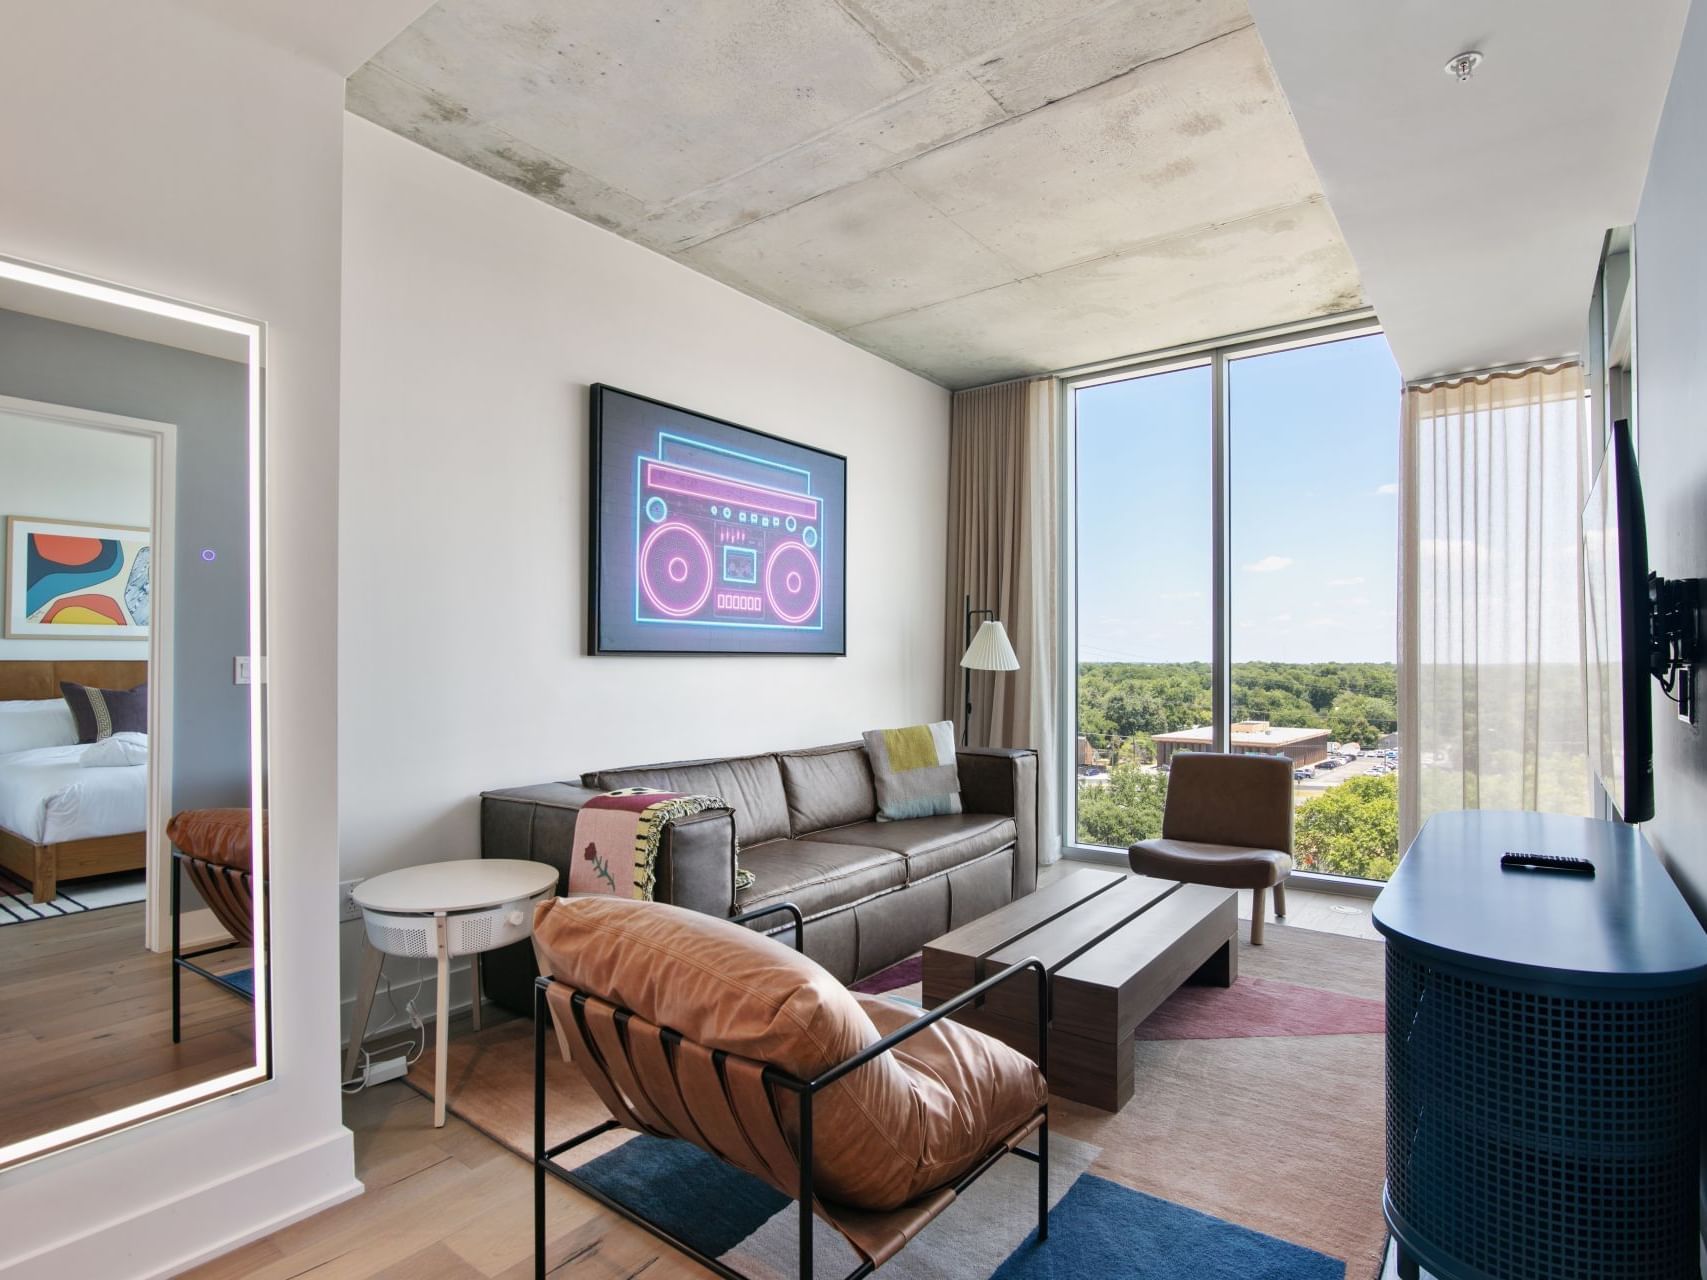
1329, 763
1305, 771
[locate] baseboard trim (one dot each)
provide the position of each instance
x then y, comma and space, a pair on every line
147, 1243
199, 928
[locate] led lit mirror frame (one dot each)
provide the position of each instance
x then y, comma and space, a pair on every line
253, 335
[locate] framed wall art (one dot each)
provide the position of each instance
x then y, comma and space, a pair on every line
71, 581
710, 537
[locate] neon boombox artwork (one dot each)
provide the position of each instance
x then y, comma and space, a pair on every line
726, 538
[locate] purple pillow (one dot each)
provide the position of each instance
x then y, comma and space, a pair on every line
100, 713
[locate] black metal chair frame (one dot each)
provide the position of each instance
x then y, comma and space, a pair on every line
545, 1158
182, 960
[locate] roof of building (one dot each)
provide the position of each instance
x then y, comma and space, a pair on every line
1247, 733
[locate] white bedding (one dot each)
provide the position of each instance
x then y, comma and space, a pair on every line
48, 797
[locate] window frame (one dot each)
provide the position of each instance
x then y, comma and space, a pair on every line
1216, 354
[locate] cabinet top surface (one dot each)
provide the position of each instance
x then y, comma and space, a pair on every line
1626, 925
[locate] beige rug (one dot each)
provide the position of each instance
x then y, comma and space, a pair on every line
1281, 1134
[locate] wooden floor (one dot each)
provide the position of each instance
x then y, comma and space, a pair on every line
444, 1204
86, 1022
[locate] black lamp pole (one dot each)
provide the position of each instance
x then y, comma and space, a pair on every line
966, 643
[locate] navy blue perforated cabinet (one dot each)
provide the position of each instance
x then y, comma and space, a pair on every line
1544, 1038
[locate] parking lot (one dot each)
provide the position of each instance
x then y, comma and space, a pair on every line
1365, 765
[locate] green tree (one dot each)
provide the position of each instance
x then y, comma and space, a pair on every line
1361, 718
1126, 809
1351, 829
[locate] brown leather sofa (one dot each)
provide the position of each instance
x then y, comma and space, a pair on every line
805, 821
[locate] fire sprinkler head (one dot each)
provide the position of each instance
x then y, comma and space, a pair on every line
1464, 65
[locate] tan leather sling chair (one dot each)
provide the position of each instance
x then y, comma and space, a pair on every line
703, 1030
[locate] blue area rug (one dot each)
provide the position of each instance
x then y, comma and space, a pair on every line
694, 1196
1099, 1228
243, 980
1104, 1229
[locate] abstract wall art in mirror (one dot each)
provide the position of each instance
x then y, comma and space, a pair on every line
708, 537
66, 579
133, 859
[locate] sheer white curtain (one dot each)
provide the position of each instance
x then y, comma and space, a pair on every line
1493, 701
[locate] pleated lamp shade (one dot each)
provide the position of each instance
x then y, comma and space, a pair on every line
990, 650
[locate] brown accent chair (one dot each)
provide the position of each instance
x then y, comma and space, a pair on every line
694, 1028
1227, 823
215, 848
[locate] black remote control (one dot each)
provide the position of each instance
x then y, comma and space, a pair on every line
1546, 862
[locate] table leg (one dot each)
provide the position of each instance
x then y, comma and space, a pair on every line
474, 1004
441, 1028
1095, 1072
368, 983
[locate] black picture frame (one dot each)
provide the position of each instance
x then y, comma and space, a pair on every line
624, 616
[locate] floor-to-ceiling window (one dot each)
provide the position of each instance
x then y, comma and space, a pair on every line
1235, 531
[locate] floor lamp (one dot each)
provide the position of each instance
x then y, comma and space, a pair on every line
989, 651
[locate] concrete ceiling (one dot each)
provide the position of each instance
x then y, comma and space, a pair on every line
974, 189
1476, 211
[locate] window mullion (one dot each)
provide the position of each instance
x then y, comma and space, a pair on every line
1221, 683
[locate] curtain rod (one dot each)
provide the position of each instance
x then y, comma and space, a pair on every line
1495, 371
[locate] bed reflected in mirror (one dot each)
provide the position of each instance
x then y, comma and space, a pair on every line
132, 848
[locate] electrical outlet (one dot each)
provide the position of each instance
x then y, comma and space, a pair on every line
347, 908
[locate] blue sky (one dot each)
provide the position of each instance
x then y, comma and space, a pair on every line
1315, 458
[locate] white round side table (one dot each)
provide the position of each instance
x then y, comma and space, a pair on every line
439, 910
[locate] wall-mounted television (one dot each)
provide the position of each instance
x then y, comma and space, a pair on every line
1619, 631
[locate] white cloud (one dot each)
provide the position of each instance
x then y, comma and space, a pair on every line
1387, 490
1345, 582
1269, 564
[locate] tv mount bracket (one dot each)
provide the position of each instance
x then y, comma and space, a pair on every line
1675, 650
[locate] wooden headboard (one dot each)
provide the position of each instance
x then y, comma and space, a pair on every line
36, 680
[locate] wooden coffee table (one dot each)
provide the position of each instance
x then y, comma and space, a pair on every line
1116, 946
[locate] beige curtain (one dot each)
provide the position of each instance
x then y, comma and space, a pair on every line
1002, 551
1493, 701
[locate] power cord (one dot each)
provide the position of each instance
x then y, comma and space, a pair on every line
414, 1047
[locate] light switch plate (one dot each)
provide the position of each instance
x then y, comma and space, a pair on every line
249, 670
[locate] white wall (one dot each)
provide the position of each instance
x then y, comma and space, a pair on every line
1671, 423
58, 471
1671, 418
165, 151
474, 320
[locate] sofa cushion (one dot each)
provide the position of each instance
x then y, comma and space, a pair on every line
900, 1126
818, 876
914, 770
932, 845
750, 785
827, 787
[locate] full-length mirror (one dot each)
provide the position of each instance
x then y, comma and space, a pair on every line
133, 863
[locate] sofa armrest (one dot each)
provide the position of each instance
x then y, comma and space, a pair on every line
696, 862
696, 866
1004, 780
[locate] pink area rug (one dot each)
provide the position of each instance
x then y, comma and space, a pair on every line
1262, 1007
1251, 1007
903, 973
